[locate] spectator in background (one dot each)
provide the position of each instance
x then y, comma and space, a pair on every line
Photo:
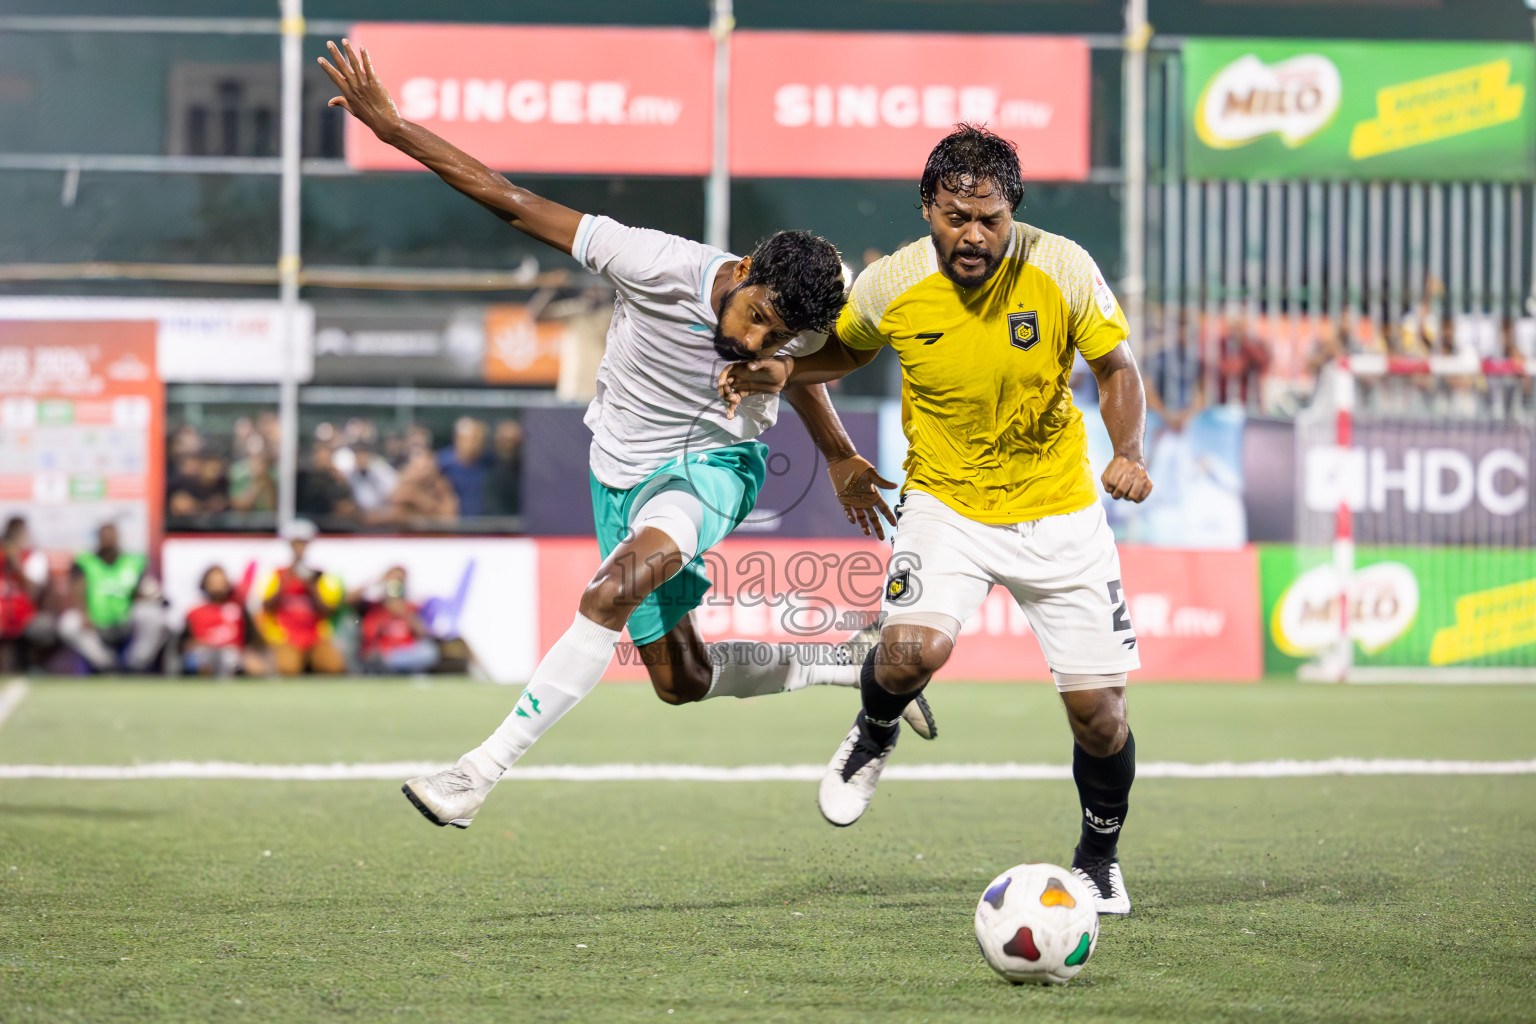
270, 429
1332, 343
219, 640
323, 492
253, 479
114, 608
242, 435
1174, 375
504, 487
297, 609
185, 440
1244, 358
197, 487
423, 497
467, 465
371, 478
393, 637
23, 586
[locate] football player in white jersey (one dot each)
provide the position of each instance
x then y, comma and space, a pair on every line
671, 472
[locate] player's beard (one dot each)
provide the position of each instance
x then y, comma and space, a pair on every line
973, 279
729, 349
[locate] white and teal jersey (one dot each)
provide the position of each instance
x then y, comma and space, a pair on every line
656, 393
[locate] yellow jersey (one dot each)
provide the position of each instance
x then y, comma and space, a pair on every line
985, 403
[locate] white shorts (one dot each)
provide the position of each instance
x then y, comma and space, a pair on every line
1064, 572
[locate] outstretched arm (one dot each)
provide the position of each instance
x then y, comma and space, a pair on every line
1123, 404
854, 479
365, 98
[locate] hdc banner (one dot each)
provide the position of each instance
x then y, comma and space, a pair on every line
1422, 482
538, 98
872, 104
1286, 108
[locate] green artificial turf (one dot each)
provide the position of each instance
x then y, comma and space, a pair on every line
1301, 899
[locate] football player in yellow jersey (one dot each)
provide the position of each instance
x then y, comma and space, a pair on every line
988, 315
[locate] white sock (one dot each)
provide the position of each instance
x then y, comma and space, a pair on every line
747, 668
571, 670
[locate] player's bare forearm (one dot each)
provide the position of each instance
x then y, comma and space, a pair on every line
1123, 405
814, 406
365, 98
1122, 399
833, 361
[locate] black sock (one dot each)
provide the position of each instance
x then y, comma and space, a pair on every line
1104, 787
882, 708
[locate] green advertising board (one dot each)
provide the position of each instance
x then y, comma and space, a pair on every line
1417, 607
1298, 108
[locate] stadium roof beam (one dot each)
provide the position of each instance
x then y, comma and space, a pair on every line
334, 27
388, 278
180, 26
149, 163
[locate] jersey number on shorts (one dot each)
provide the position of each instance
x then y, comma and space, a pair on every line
1121, 620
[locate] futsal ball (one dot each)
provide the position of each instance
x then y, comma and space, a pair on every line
1036, 923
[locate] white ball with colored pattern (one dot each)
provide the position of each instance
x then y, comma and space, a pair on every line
1036, 923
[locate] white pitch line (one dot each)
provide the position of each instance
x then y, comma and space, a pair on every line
1009, 772
11, 696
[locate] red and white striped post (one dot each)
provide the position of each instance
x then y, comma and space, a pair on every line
1344, 530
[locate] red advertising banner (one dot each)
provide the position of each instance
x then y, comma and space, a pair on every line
538, 98
1196, 613
81, 441
871, 105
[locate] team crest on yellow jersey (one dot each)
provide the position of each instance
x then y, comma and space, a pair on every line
1024, 329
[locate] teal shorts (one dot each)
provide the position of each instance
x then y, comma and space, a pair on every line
726, 482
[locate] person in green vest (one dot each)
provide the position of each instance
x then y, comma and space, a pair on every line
116, 618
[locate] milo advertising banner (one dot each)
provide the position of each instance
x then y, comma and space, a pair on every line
1419, 607
1302, 108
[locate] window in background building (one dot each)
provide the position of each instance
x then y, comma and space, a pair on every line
235, 110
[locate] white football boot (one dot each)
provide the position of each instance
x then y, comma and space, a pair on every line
451, 796
918, 715
849, 783
1104, 880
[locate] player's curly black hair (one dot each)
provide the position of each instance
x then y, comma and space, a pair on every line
971, 157
804, 277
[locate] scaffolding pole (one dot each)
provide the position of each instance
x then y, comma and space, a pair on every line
717, 190
288, 262
1133, 284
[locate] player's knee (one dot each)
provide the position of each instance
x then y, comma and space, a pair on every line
680, 687
902, 676
1098, 719
909, 656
